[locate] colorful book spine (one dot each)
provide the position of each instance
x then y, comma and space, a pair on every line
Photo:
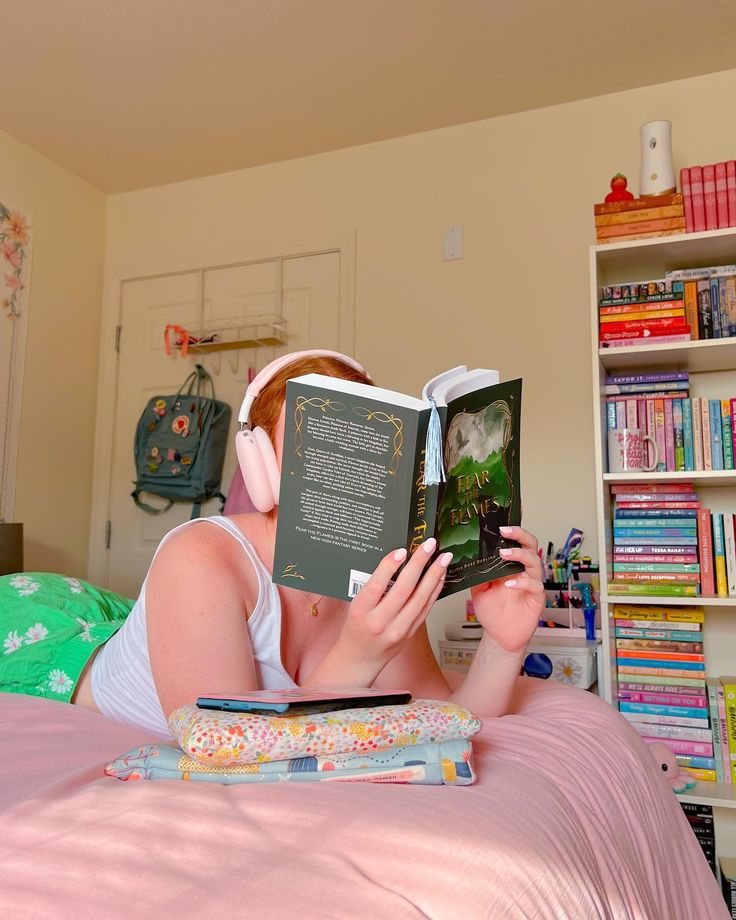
709, 197
705, 553
654, 514
676, 635
630, 228
698, 198
695, 692
715, 306
636, 204
682, 646
697, 433
660, 664
691, 307
655, 505
729, 693
663, 616
677, 424
716, 434
731, 299
640, 622
723, 732
719, 555
662, 720
697, 748
699, 763
721, 196
705, 315
730, 192
673, 731
669, 436
713, 684
730, 548
663, 699
727, 434
707, 453
661, 590
657, 568
687, 199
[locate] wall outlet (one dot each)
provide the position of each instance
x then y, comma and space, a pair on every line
452, 243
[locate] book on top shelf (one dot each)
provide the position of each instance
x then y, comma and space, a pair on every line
353, 483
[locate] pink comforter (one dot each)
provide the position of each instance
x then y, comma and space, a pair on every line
569, 819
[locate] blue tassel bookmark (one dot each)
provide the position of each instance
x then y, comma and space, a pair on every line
434, 470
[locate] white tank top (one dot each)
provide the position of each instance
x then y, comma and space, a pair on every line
122, 682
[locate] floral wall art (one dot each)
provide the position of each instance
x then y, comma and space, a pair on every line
15, 259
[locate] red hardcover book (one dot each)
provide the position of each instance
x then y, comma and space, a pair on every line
705, 554
657, 323
687, 198
697, 194
709, 197
652, 488
731, 191
721, 196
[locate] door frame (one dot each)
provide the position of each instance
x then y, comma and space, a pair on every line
105, 421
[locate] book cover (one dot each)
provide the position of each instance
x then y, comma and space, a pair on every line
653, 311
647, 531
691, 307
719, 555
661, 658
651, 332
723, 732
727, 434
353, 488
685, 712
638, 204
729, 694
709, 197
662, 615
712, 683
723, 306
694, 693
663, 578
658, 635
650, 519
697, 419
698, 198
687, 198
666, 626
662, 567
721, 196
731, 304
659, 435
677, 424
666, 505
659, 377
705, 553
655, 514
686, 646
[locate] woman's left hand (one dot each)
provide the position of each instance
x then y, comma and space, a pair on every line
509, 609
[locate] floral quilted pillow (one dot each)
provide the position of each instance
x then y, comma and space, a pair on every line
227, 738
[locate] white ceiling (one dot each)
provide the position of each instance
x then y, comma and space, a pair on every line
134, 93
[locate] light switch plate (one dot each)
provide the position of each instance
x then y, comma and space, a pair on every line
452, 243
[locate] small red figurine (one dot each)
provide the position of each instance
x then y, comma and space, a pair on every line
619, 192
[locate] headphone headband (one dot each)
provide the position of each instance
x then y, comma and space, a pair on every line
267, 374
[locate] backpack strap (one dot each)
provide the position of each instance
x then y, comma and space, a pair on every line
149, 509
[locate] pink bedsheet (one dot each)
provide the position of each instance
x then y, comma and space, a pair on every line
569, 819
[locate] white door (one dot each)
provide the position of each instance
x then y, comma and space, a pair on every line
308, 299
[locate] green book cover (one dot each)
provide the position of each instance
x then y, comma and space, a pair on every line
352, 479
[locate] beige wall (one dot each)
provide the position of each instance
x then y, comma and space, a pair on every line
54, 482
522, 186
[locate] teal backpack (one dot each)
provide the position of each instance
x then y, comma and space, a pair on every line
180, 444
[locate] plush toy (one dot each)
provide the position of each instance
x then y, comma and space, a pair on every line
619, 192
667, 763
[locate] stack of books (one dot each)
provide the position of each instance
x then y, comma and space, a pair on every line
639, 218
643, 312
700, 819
710, 299
655, 539
709, 196
661, 682
690, 433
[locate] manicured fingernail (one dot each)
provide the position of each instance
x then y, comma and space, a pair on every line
445, 559
400, 555
429, 545
511, 583
505, 552
505, 529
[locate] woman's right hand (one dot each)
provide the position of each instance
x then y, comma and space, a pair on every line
381, 619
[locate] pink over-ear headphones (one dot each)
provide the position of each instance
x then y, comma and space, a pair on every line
255, 452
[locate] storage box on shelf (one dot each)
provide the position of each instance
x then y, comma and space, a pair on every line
712, 367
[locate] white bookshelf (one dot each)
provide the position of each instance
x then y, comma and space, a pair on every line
712, 365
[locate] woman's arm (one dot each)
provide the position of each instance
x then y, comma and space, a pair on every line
196, 619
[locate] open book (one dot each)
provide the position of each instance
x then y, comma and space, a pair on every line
353, 483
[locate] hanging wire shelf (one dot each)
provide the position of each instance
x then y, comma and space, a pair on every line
266, 329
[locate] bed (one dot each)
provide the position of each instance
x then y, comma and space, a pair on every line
569, 819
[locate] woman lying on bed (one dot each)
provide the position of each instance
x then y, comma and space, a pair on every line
208, 617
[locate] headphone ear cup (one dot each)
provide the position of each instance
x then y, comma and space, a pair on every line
257, 479
270, 463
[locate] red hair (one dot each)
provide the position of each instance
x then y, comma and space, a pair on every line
267, 406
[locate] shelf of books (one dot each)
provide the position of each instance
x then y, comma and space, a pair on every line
663, 315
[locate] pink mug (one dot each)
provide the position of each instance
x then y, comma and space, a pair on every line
627, 453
